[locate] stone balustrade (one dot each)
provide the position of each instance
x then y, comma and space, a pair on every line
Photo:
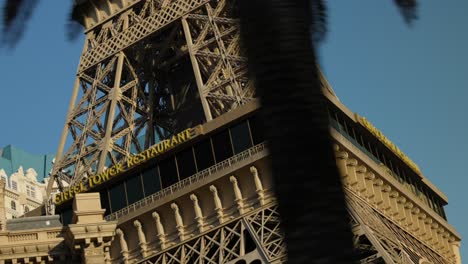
36, 245
394, 201
191, 215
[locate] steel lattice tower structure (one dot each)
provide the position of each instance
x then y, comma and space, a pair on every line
151, 69
148, 69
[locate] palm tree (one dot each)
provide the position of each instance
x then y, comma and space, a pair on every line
279, 38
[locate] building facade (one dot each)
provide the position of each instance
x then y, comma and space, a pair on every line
26, 177
22, 192
166, 160
210, 199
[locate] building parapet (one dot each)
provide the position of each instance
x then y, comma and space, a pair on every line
381, 191
44, 239
188, 181
32, 244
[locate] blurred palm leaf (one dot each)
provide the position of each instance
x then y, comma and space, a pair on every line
279, 37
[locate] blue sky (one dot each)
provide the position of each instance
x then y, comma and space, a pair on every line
411, 82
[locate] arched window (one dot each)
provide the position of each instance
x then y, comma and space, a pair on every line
13, 205
14, 185
31, 191
26, 209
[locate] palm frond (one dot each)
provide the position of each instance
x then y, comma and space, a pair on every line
319, 20
408, 9
16, 14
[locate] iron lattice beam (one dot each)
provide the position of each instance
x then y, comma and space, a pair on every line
145, 74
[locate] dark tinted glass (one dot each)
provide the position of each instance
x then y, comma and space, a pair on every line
151, 181
104, 201
204, 155
117, 197
222, 146
67, 217
186, 163
134, 189
240, 136
168, 171
257, 129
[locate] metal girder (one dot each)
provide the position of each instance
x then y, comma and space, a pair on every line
148, 72
144, 23
220, 69
257, 233
390, 243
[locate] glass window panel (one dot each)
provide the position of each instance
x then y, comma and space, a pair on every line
67, 217
105, 201
222, 146
433, 206
257, 129
241, 137
204, 154
186, 163
134, 189
117, 197
442, 213
168, 171
151, 181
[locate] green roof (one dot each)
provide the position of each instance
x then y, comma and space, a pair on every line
11, 158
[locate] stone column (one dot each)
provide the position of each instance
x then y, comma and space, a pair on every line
179, 222
123, 245
238, 194
361, 176
456, 250
258, 185
90, 235
218, 204
2, 206
160, 230
141, 238
198, 213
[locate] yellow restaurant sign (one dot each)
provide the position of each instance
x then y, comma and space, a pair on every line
130, 162
382, 138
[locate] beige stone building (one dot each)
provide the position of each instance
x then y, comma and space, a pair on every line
166, 160
222, 208
22, 192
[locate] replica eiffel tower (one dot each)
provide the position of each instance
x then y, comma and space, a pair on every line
163, 124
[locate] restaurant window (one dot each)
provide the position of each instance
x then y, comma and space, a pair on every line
222, 146
31, 191
257, 129
151, 181
67, 217
117, 197
14, 185
168, 172
240, 136
186, 163
134, 188
204, 154
104, 201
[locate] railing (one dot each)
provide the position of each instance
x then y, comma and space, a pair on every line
188, 181
22, 237
55, 234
